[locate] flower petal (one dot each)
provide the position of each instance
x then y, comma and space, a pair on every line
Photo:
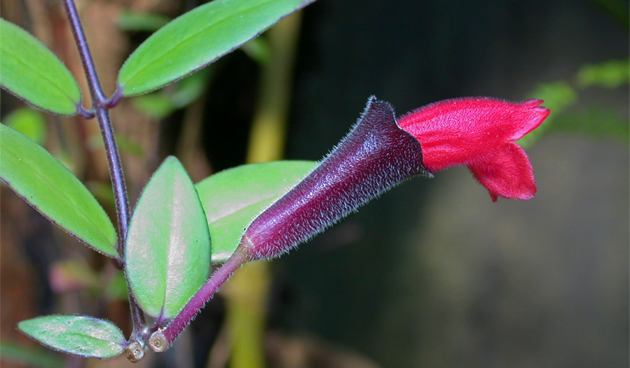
505, 171
457, 131
529, 116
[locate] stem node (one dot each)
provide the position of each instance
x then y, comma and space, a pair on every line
158, 342
134, 352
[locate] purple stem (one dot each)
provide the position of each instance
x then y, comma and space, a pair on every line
204, 294
114, 100
100, 111
86, 114
100, 106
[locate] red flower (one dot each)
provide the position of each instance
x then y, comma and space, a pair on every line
478, 133
380, 152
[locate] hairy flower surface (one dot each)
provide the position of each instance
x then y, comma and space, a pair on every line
479, 133
380, 152
375, 156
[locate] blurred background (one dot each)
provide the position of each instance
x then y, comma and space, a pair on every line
433, 273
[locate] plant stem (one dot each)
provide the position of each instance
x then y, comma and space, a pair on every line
170, 333
99, 102
100, 105
266, 144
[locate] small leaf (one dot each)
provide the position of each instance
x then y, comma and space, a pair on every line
190, 88
258, 49
558, 96
116, 289
168, 246
35, 175
197, 38
594, 121
33, 357
102, 191
233, 198
28, 122
79, 335
125, 144
69, 275
132, 21
160, 104
609, 74
156, 105
34, 73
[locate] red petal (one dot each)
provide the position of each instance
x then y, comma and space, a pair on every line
529, 116
458, 131
507, 172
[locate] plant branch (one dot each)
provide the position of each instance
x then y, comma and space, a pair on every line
100, 105
99, 102
161, 340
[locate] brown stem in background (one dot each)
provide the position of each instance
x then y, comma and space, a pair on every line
189, 149
247, 295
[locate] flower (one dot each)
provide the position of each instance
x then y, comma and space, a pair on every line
479, 133
380, 152
376, 155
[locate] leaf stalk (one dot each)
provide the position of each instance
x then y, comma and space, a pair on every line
190, 310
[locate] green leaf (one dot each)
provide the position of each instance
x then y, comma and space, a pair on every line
156, 105
258, 49
132, 21
125, 144
168, 246
610, 74
190, 88
160, 104
79, 335
233, 198
558, 96
197, 38
102, 191
116, 289
28, 122
35, 175
594, 121
32, 72
29, 356
72, 274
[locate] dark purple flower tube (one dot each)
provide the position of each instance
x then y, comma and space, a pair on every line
375, 156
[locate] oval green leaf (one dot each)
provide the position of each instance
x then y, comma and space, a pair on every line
234, 197
35, 175
168, 245
31, 71
197, 38
29, 122
29, 356
147, 22
78, 335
